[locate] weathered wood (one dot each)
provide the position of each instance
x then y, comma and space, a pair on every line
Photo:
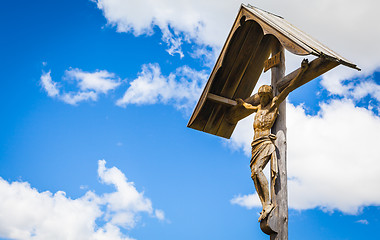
221, 100
203, 108
234, 72
272, 25
291, 43
249, 49
233, 51
272, 62
235, 113
246, 85
292, 38
254, 69
269, 225
279, 184
316, 68
215, 119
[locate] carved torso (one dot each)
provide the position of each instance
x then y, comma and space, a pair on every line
264, 120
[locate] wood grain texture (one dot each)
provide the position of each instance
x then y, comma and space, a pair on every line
254, 69
279, 186
316, 68
234, 72
247, 83
273, 61
222, 100
200, 114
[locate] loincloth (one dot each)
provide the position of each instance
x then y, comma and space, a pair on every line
264, 147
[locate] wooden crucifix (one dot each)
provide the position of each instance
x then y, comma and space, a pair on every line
257, 42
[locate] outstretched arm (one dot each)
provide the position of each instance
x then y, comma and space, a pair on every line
240, 111
240, 102
292, 85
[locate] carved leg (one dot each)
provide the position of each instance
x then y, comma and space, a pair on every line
262, 186
267, 204
258, 188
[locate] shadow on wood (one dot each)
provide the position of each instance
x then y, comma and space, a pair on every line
269, 225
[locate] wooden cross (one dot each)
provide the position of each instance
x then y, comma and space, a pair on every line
255, 36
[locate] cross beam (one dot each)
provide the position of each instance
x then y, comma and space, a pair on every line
316, 68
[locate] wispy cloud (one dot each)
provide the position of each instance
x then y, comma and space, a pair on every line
180, 88
100, 81
49, 85
356, 90
332, 157
363, 221
173, 41
30, 214
248, 201
74, 98
90, 85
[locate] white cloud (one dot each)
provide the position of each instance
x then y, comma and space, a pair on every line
90, 85
123, 204
248, 201
99, 81
181, 88
357, 91
242, 138
332, 157
159, 214
74, 98
49, 85
204, 22
29, 214
366, 88
205, 54
208, 23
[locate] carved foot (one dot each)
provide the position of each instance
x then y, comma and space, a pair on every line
266, 210
269, 225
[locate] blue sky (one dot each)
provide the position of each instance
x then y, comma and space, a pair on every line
95, 99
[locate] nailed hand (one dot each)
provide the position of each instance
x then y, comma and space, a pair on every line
305, 64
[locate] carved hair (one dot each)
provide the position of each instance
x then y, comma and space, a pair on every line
265, 90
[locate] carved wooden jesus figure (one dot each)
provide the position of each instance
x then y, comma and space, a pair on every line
263, 147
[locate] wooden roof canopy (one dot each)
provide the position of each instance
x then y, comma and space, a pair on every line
241, 63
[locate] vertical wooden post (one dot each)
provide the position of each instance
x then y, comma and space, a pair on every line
280, 190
